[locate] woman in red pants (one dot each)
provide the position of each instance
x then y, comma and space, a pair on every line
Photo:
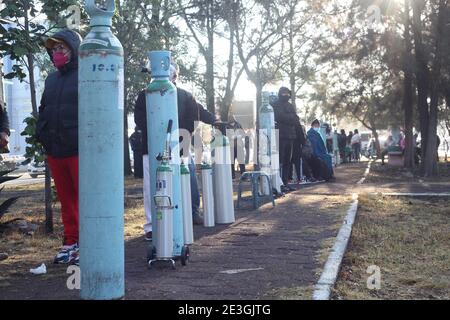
57, 130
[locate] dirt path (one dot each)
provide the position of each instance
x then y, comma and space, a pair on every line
286, 245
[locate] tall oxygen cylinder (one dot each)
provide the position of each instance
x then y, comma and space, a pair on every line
101, 179
164, 211
207, 196
269, 152
266, 129
188, 230
222, 180
162, 107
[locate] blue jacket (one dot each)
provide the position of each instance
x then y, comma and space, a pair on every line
57, 126
319, 148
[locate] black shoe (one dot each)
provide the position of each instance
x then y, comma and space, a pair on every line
149, 236
287, 189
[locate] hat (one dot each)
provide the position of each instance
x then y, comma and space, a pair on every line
315, 122
284, 90
50, 42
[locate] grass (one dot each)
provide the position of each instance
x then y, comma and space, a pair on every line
27, 252
409, 240
387, 174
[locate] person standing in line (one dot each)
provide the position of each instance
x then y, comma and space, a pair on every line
286, 120
356, 145
57, 130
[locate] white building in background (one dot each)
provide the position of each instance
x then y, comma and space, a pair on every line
18, 105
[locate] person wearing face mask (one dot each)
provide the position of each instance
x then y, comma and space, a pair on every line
287, 122
320, 151
57, 130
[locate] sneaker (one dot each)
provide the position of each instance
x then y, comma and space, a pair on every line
149, 236
76, 258
197, 219
67, 254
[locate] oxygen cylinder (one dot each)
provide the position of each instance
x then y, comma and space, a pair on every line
207, 196
269, 155
266, 121
188, 231
162, 107
164, 211
223, 181
101, 179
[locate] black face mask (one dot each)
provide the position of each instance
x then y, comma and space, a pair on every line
285, 98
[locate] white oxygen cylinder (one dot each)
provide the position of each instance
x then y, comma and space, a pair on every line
164, 211
223, 181
188, 229
207, 196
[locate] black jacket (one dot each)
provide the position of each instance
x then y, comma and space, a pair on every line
342, 141
189, 111
287, 120
4, 120
57, 126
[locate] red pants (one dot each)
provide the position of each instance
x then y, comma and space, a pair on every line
65, 175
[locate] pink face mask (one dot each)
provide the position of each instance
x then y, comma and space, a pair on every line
60, 59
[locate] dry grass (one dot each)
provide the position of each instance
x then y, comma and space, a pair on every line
295, 293
409, 240
387, 174
27, 252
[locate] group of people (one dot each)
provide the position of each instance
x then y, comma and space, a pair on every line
59, 106
349, 146
304, 151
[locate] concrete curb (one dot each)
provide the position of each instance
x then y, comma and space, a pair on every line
331, 270
415, 195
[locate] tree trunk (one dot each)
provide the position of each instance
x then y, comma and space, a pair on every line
430, 163
228, 97
408, 94
292, 63
48, 182
34, 107
422, 76
210, 91
377, 142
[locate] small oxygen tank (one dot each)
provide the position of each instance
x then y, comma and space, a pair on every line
164, 211
207, 196
188, 232
223, 182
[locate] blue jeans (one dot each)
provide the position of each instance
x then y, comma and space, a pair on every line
195, 195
